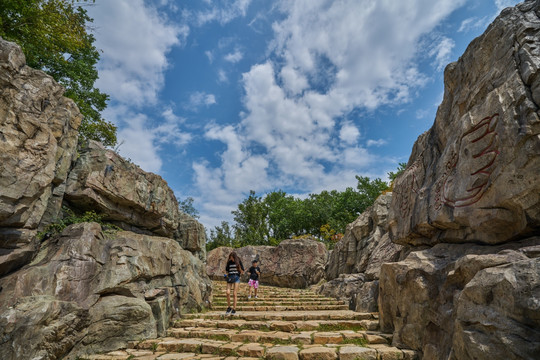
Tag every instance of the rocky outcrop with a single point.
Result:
(295, 263)
(129, 197)
(97, 291)
(38, 137)
(85, 290)
(468, 203)
(355, 262)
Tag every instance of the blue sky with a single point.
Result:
(224, 97)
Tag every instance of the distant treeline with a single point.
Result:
(276, 216)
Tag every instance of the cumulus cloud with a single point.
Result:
(327, 59)
(134, 39)
(199, 99)
(140, 140)
(234, 57)
(376, 143)
(222, 13)
(442, 52)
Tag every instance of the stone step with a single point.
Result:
(222, 292)
(300, 325)
(269, 350)
(369, 323)
(286, 315)
(284, 301)
(283, 307)
(257, 302)
(281, 337)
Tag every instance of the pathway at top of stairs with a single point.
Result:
(281, 324)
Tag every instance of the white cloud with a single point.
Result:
(134, 39)
(349, 133)
(327, 59)
(234, 57)
(199, 99)
(376, 143)
(222, 76)
(503, 4)
(442, 52)
(140, 141)
(474, 23)
(222, 14)
(210, 55)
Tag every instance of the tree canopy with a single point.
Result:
(277, 216)
(55, 38)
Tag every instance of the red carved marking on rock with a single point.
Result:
(486, 127)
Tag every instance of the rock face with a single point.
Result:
(114, 287)
(471, 193)
(355, 262)
(85, 290)
(135, 200)
(38, 137)
(295, 263)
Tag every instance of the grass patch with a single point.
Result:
(281, 342)
(220, 337)
(355, 341)
(69, 218)
(154, 347)
(338, 327)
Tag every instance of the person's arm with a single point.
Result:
(227, 268)
(258, 270)
(241, 270)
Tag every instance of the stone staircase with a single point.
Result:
(282, 324)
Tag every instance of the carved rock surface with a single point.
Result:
(113, 288)
(295, 263)
(38, 137)
(469, 205)
(473, 177)
(365, 246)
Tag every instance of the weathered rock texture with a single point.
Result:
(83, 291)
(38, 137)
(471, 191)
(96, 292)
(135, 200)
(355, 262)
(295, 263)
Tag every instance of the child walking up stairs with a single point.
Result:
(281, 324)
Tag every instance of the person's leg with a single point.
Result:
(256, 286)
(250, 283)
(235, 294)
(229, 285)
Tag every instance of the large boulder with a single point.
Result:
(38, 137)
(473, 177)
(295, 263)
(455, 301)
(97, 291)
(134, 199)
(469, 205)
(355, 262)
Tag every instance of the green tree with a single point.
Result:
(393, 175)
(187, 207)
(54, 37)
(221, 236)
(251, 225)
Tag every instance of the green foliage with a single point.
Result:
(186, 206)
(71, 218)
(53, 35)
(221, 236)
(277, 216)
(393, 175)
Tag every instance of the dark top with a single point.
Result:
(253, 272)
(231, 267)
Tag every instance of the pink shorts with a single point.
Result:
(254, 283)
